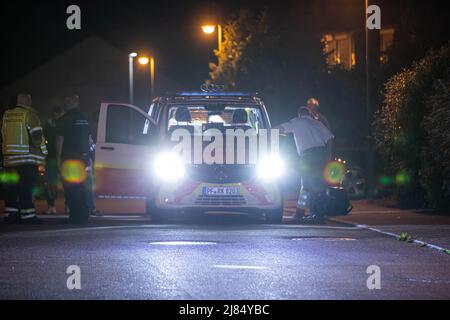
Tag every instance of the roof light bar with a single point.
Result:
(215, 94)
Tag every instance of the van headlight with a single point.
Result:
(270, 168)
(168, 167)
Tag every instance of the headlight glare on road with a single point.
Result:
(168, 167)
(270, 168)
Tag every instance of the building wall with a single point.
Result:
(347, 48)
(92, 69)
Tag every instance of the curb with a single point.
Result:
(394, 235)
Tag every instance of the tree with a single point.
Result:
(436, 154)
(247, 42)
(283, 60)
(400, 131)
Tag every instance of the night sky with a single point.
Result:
(33, 32)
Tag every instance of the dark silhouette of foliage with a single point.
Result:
(436, 154)
(401, 129)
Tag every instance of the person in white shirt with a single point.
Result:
(314, 143)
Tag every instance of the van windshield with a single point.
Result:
(216, 115)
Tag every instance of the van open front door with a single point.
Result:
(126, 143)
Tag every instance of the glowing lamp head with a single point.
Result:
(208, 29)
(133, 55)
(143, 60)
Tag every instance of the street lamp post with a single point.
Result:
(372, 57)
(152, 76)
(219, 37)
(131, 57)
(209, 29)
(151, 61)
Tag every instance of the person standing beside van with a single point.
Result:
(72, 152)
(51, 166)
(23, 149)
(313, 141)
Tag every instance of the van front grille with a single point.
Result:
(235, 200)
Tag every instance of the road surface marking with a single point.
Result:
(389, 211)
(391, 234)
(239, 267)
(323, 239)
(183, 243)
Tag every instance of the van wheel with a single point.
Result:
(274, 216)
(157, 215)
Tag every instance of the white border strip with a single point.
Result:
(419, 242)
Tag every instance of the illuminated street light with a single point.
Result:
(209, 29)
(144, 61)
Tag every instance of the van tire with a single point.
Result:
(274, 216)
(157, 215)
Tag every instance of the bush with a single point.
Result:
(436, 154)
(402, 129)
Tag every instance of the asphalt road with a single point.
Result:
(218, 259)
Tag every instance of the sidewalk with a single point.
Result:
(420, 225)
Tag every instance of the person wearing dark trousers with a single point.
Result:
(19, 193)
(72, 151)
(51, 166)
(23, 149)
(313, 141)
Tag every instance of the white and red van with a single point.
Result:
(132, 158)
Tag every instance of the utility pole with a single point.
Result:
(131, 57)
(372, 64)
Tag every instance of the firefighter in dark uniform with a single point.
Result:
(72, 151)
(23, 148)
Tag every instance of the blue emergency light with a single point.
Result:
(216, 94)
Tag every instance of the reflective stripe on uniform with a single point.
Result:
(15, 151)
(22, 161)
(9, 209)
(35, 129)
(8, 163)
(31, 210)
(13, 148)
(17, 145)
(28, 216)
(21, 156)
